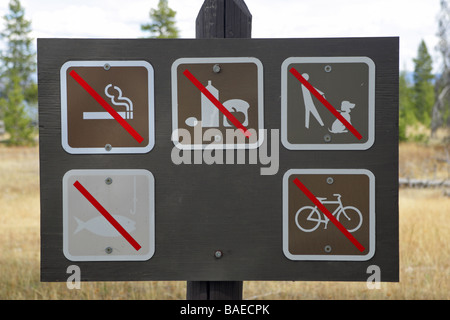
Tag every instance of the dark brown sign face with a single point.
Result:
(88, 88)
(236, 83)
(348, 195)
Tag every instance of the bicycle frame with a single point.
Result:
(324, 202)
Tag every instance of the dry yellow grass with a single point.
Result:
(424, 244)
(424, 162)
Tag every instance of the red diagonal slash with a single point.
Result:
(106, 106)
(217, 103)
(107, 215)
(328, 214)
(304, 82)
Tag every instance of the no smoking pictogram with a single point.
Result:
(107, 107)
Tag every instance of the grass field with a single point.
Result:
(424, 243)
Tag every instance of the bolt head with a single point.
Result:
(216, 68)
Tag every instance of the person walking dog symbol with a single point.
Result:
(310, 108)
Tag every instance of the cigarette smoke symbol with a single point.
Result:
(119, 101)
(128, 104)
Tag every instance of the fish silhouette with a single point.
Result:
(101, 227)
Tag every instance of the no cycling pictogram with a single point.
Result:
(328, 214)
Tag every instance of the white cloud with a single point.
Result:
(89, 19)
(411, 20)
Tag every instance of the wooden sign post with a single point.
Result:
(220, 19)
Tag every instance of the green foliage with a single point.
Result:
(423, 85)
(18, 65)
(163, 22)
(416, 99)
(17, 123)
(406, 106)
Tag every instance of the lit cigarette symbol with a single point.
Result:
(121, 101)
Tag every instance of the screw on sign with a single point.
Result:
(107, 107)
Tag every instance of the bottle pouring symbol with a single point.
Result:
(211, 114)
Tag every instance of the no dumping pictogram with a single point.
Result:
(217, 103)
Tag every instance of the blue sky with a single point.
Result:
(411, 20)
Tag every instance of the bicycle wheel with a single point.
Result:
(307, 219)
(353, 218)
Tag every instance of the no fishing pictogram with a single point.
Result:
(107, 215)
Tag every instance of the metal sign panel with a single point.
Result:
(317, 92)
(236, 83)
(107, 107)
(108, 215)
(309, 233)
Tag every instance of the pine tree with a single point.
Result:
(18, 65)
(17, 122)
(423, 85)
(407, 116)
(163, 22)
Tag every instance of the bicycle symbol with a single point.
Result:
(308, 218)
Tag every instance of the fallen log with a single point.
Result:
(418, 183)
